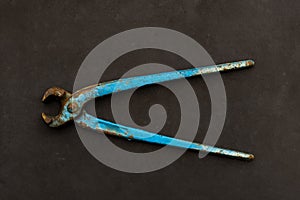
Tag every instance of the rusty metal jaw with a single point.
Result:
(63, 96)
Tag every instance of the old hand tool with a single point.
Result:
(72, 107)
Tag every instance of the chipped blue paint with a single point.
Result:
(86, 94)
(89, 121)
(72, 107)
(139, 81)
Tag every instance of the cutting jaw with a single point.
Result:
(63, 96)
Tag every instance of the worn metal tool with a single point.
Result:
(72, 107)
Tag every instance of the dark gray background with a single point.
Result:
(42, 44)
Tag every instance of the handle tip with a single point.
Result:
(251, 157)
(250, 63)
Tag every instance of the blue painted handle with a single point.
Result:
(88, 121)
(84, 95)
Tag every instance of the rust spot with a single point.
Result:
(72, 107)
(250, 63)
(109, 132)
(98, 129)
(83, 125)
(130, 137)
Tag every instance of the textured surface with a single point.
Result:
(42, 43)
